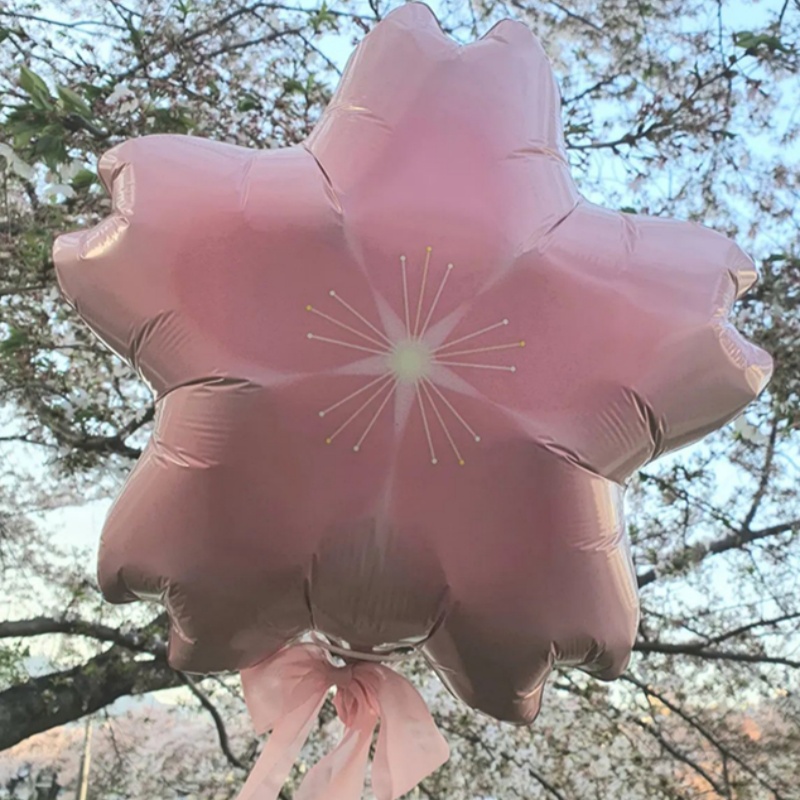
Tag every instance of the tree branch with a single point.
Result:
(60, 697)
(746, 628)
(198, 33)
(222, 733)
(700, 650)
(478, 741)
(142, 641)
(725, 751)
(678, 754)
(763, 482)
(115, 444)
(423, 789)
(666, 121)
(525, 8)
(44, 703)
(694, 555)
(572, 15)
(16, 14)
(270, 37)
(691, 499)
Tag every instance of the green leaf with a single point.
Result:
(574, 129)
(23, 132)
(247, 102)
(322, 18)
(84, 179)
(15, 340)
(92, 92)
(751, 42)
(293, 86)
(23, 123)
(51, 146)
(175, 119)
(12, 664)
(136, 38)
(628, 210)
(74, 102)
(36, 88)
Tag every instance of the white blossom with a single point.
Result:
(66, 172)
(15, 163)
(123, 98)
(55, 189)
(748, 432)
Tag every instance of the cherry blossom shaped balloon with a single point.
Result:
(402, 372)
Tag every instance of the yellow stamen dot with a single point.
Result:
(328, 440)
(308, 308)
(429, 248)
(522, 344)
(461, 463)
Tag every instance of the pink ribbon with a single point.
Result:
(285, 693)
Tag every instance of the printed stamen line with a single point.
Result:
(475, 366)
(355, 393)
(425, 425)
(458, 416)
(330, 438)
(357, 445)
(355, 313)
(472, 335)
(436, 300)
(405, 295)
(422, 287)
(484, 349)
(444, 426)
(346, 344)
(342, 325)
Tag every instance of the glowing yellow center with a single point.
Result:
(410, 361)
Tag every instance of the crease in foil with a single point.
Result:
(653, 425)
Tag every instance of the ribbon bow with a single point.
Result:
(285, 693)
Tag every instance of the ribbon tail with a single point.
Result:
(340, 775)
(410, 746)
(281, 750)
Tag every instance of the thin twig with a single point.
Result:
(222, 733)
(703, 731)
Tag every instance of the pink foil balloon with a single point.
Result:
(402, 372)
